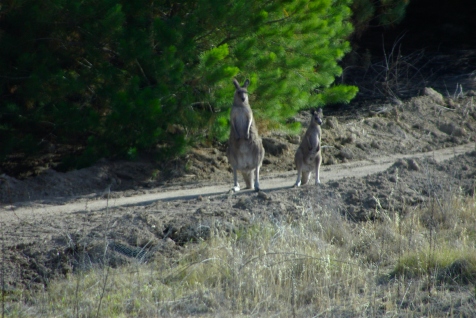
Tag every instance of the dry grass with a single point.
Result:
(419, 264)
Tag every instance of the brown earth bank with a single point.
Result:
(359, 132)
(39, 245)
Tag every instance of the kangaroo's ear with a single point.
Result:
(319, 111)
(237, 85)
(247, 82)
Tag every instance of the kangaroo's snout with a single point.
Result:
(318, 120)
(243, 95)
(317, 116)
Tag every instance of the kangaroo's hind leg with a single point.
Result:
(257, 178)
(298, 162)
(248, 177)
(236, 186)
(298, 180)
(306, 175)
(318, 165)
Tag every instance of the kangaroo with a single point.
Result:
(245, 149)
(308, 156)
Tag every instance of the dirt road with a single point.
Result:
(47, 218)
(23, 210)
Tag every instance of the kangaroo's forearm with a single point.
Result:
(249, 127)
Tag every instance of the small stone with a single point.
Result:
(294, 139)
(346, 153)
(266, 161)
(201, 210)
(373, 113)
(331, 122)
(263, 196)
(375, 144)
(452, 104)
(459, 132)
(434, 95)
(413, 165)
(243, 203)
(351, 139)
(330, 160)
(402, 164)
(452, 129)
(169, 242)
(396, 101)
(362, 146)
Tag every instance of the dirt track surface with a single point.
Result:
(377, 157)
(356, 169)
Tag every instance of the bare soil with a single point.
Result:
(377, 157)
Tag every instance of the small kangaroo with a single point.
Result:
(245, 149)
(308, 156)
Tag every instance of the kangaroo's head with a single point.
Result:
(241, 93)
(316, 116)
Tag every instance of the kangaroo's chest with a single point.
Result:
(312, 149)
(241, 119)
(313, 143)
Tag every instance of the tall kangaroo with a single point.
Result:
(308, 156)
(245, 149)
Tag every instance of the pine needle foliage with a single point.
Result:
(120, 76)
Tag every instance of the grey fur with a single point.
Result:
(245, 149)
(308, 156)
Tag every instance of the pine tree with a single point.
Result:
(120, 76)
